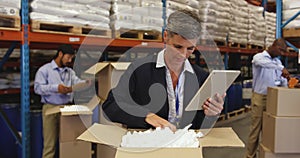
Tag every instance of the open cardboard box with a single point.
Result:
(108, 74)
(72, 124)
(109, 139)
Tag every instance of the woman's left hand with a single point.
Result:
(214, 106)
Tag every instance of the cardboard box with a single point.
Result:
(108, 74)
(75, 149)
(283, 101)
(74, 123)
(264, 152)
(281, 134)
(109, 140)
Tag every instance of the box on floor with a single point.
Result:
(109, 139)
(264, 152)
(72, 124)
(281, 134)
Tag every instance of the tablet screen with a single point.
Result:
(218, 81)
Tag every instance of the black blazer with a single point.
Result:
(132, 99)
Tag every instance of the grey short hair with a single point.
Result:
(185, 23)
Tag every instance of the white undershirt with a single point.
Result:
(173, 117)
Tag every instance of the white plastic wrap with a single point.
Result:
(40, 8)
(45, 17)
(290, 4)
(155, 12)
(11, 3)
(287, 14)
(93, 17)
(293, 24)
(177, 6)
(151, 3)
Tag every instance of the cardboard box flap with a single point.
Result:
(120, 65)
(96, 68)
(53, 110)
(103, 134)
(220, 137)
(93, 102)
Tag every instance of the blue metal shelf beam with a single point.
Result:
(7, 54)
(25, 87)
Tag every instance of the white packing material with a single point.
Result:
(161, 138)
(75, 108)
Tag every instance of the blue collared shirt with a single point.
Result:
(266, 72)
(47, 79)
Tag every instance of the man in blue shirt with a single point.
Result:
(53, 81)
(268, 71)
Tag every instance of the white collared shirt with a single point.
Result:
(173, 116)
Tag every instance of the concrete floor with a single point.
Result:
(240, 125)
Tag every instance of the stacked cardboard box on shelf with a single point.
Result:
(281, 124)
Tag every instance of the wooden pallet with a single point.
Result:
(236, 113)
(291, 32)
(253, 46)
(61, 28)
(237, 45)
(8, 22)
(222, 117)
(138, 34)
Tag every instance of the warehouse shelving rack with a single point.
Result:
(26, 39)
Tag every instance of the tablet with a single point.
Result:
(218, 81)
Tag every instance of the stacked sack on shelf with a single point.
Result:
(215, 18)
(10, 80)
(239, 30)
(137, 15)
(173, 5)
(289, 9)
(257, 25)
(78, 12)
(270, 19)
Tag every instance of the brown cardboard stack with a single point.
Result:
(72, 124)
(281, 124)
